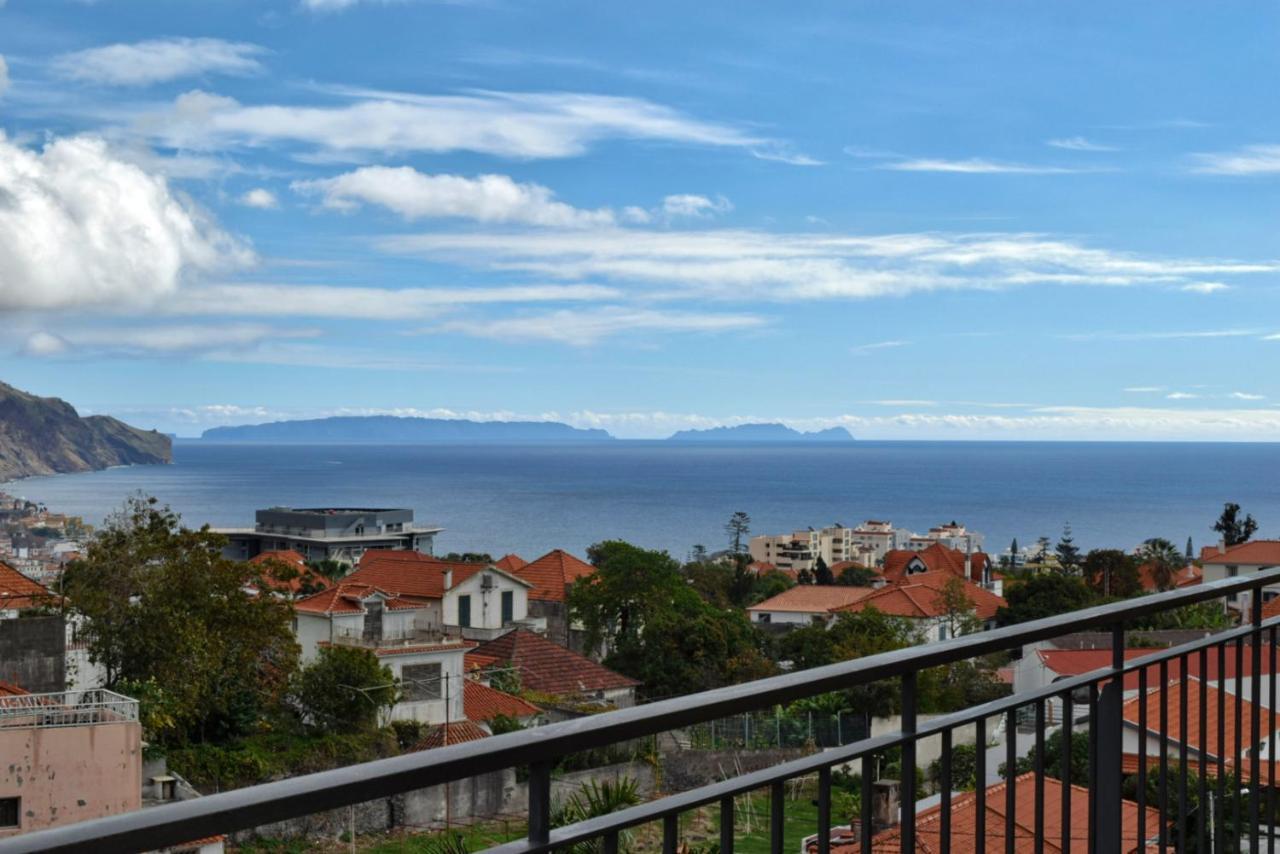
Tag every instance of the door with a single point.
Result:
(464, 611)
(508, 606)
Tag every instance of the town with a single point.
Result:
(145, 663)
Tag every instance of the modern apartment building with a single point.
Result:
(952, 535)
(329, 533)
(866, 544)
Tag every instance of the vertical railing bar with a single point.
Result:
(1219, 831)
(777, 816)
(909, 761)
(540, 801)
(864, 829)
(944, 784)
(610, 844)
(1064, 768)
(1162, 797)
(1183, 738)
(1271, 742)
(1238, 720)
(824, 813)
(727, 819)
(1203, 818)
(1142, 754)
(1093, 767)
(1010, 778)
(1255, 718)
(1039, 769)
(670, 833)
(980, 781)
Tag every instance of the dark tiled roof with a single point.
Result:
(546, 667)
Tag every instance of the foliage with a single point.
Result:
(1067, 551)
(468, 557)
(1204, 615)
(1233, 529)
(505, 679)
(407, 733)
(1111, 573)
(822, 573)
(268, 756)
(501, 724)
(958, 613)
(964, 768)
(1053, 757)
(591, 801)
(960, 685)
(738, 527)
(163, 606)
(1165, 561)
(857, 576)
(771, 584)
(331, 569)
(658, 629)
(1043, 595)
(345, 689)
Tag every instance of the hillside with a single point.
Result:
(390, 429)
(761, 433)
(45, 435)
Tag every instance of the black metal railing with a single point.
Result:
(1232, 811)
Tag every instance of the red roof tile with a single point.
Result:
(456, 732)
(19, 592)
(1170, 699)
(920, 597)
(1252, 553)
(288, 556)
(546, 667)
(409, 573)
(1185, 577)
(12, 689)
(511, 563)
(552, 574)
(296, 569)
(1074, 662)
(483, 703)
(813, 598)
(348, 598)
(936, 558)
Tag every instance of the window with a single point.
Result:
(421, 681)
(10, 810)
(508, 606)
(464, 611)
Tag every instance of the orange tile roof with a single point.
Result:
(936, 558)
(288, 556)
(482, 703)
(1252, 553)
(545, 667)
(19, 592)
(302, 574)
(409, 573)
(760, 567)
(478, 661)
(12, 689)
(964, 814)
(511, 562)
(1185, 577)
(455, 732)
(348, 597)
(1170, 699)
(813, 598)
(552, 574)
(1271, 609)
(443, 646)
(1074, 662)
(919, 597)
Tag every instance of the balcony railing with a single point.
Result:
(66, 709)
(1091, 705)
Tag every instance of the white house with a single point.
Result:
(1223, 561)
(804, 603)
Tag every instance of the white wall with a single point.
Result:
(799, 618)
(431, 711)
(486, 605)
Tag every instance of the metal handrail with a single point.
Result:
(540, 747)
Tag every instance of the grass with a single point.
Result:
(800, 819)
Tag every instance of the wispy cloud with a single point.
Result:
(1249, 160)
(152, 340)
(583, 328)
(975, 166)
(863, 349)
(1244, 395)
(158, 61)
(689, 205)
(1079, 143)
(1144, 389)
(1181, 395)
(1163, 335)
(4, 76)
(260, 198)
(1205, 287)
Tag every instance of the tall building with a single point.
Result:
(329, 533)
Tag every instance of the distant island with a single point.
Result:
(45, 435)
(392, 429)
(761, 433)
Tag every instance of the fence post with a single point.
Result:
(1107, 776)
(777, 724)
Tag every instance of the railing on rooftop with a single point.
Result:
(66, 709)
(1092, 706)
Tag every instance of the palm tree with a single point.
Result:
(1165, 560)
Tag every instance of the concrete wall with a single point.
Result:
(486, 605)
(556, 615)
(689, 769)
(33, 653)
(69, 774)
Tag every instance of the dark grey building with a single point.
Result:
(329, 533)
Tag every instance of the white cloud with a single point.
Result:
(1079, 143)
(260, 198)
(1162, 336)
(974, 166)
(1144, 389)
(863, 349)
(364, 303)
(43, 344)
(151, 340)
(583, 328)
(1181, 395)
(79, 226)
(1249, 160)
(486, 198)
(1244, 395)
(690, 205)
(4, 76)
(1205, 287)
(505, 124)
(745, 264)
(158, 61)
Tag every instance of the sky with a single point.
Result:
(916, 220)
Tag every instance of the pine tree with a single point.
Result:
(1234, 530)
(1191, 553)
(822, 573)
(1067, 551)
(738, 526)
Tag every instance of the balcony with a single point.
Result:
(1185, 799)
(66, 709)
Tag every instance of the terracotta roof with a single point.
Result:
(1185, 577)
(919, 597)
(813, 598)
(288, 556)
(552, 574)
(1074, 662)
(760, 567)
(1252, 553)
(18, 591)
(1129, 765)
(936, 558)
(413, 574)
(964, 813)
(511, 562)
(348, 598)
(482, 703)
(456, 732)
(1271, 609)
(841, 565)
(12, 689)
(1170, 699)
(546, 667)
(293, 561)
(476, 661)
(442, 646)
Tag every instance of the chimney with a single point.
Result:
(884, 804)
(968, 566)
(1222, 547)
(448, 579)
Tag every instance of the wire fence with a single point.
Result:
(779, 729)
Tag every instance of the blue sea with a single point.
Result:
(529, 499)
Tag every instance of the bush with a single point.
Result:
(345, 689)
(260, 758)
(408, 733)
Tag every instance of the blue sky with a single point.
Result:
(916, 220)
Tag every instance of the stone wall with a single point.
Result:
(33, 653)
(689, 769)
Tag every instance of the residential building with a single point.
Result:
(800, 550)
(879, 537)
(953, 535)
(546, 668)
(482, 703)
(1229, 561)
(901, 564)
(920, 599)
(68, 757)
(511, 563)
(804, 603)
(329, 533)
(552, 576)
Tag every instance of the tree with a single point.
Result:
(958, 613)
(857, 576)
(698, 554)
(345, 689)
(1043, 595)
(1190, 553)
(1042, 550)
(1053, 755)
(1013, 553)
(1067, 551)
(1111, 573)
(822, 573)
(162, 606)
(1164, 559)
(738, 527)
(1233, 529)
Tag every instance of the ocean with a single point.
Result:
(530, 499)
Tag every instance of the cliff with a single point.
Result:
(45, 435)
